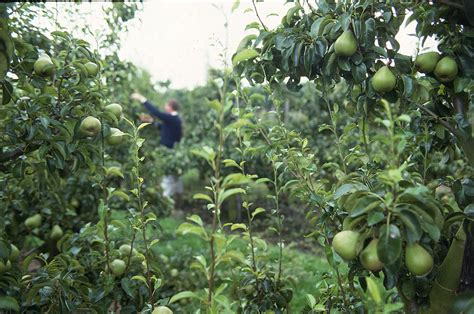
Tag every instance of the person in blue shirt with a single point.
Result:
(170, 122)
(170, 133)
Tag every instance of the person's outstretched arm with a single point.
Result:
(151, 108)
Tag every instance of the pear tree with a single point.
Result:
(409, 114)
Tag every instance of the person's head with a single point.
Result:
(172, 105)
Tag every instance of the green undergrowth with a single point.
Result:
(176, 252)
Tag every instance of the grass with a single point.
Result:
(303, 268)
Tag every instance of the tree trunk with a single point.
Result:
(287, 111)
(466, 282)
(446, 283)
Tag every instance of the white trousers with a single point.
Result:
(171, 185)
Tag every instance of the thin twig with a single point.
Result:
(258, 16)
(448, 126)
(17, 152)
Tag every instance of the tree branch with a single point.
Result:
(448, 126)
(15, 153)
(460, 103)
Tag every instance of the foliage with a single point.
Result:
(319, 131)
(382, 181)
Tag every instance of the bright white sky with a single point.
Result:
(179, 39)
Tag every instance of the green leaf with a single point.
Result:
(389, 247)
(407, 86)
(349, 188)
(215, 104)
(141, 126)
(184, 295)
(113, 171)
(196, 219)
(202, 260)
(373, 290)
(9, 304)
(238, 226)
(254, 25)
(232, 255)
(311, 300)
(223, 195)
(364, 205)
(374, 217)
(292, 12)
(431, 229)
(245, 42)
(262, 180)
(102, 209)
(202, 196)
(7, 90)
(5, 250)
(461, 83)
(244, 55)
(257, 211)
(412, 225)
(121, 194)
(235, 5)
(230, 163)
(140, 278)
(126, 285)
(187, 227)
(469, 210)
(315, 27)
(235, 179)
(297, 53)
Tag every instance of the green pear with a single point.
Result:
(446, 70)
(162, 310)
(442, 190)
(115, 109)
(33, 221)
(426, 62)
(74, 203)
(43, 65)
(92, 68)
(125, 250)
(345, 45)
(117, 266)
(369, 257)
(174, 272)
(350, 107)
(419, 262)
(56, 233)
(115, 136)
(384, 80)
(5, 266)
(15, 253)
(90, 126)
(345, 244)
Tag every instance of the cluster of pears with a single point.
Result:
(91, 126)
(12, 258)
(36, 221)
(383, 80)
(347, 244)
(445, 69)
(118, 265)
(44, 66)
